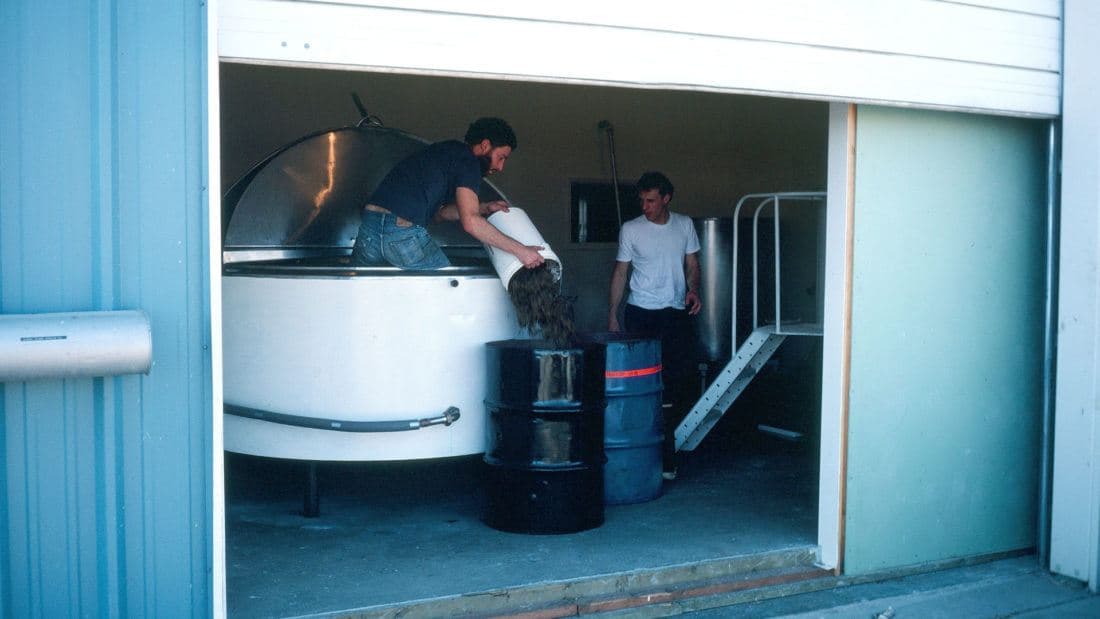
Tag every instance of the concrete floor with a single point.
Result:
(407, 539)
(733, 536)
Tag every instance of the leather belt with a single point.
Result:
(401, 221)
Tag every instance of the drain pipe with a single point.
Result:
(605, 125)
(1050, 316)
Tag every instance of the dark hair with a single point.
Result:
(658, 181)
(494, 129)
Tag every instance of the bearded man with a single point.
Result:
(440, 182)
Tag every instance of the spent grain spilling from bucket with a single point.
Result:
(539, 304)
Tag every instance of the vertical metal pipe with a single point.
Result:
(733, 278)
(1050, 315)
(311, 503)
(606, 126)
(756, 265)
(755, 262)
(778, 321)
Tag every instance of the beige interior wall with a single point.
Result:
(714, 147)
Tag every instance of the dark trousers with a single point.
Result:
(679, 369)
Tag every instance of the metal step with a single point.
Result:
(801, 328)
(731, 381)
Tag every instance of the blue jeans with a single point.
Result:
(382, 241)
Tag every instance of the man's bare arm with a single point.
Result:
(618, 287)
(692, 301)
(469, 215)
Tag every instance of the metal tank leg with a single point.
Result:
(312, 504)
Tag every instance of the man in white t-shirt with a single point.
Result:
(659, 250)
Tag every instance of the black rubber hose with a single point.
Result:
(448, 417)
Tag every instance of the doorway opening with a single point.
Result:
(745, 502)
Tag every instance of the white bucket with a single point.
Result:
(515, 223)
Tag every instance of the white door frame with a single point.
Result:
(836, 346)
(214, 255)
(1075, 504)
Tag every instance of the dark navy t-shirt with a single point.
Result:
(417, 186)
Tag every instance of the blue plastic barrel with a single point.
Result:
(633, 423)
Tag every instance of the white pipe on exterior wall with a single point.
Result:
(74, 344)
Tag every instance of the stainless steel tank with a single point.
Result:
(713, 324)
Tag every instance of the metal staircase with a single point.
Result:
(761, 343)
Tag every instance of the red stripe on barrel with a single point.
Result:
(632, 373)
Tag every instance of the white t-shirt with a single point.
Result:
(656, 251)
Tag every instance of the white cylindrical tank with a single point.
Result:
(324, 360)
(357, 349)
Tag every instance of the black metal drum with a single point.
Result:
(544, 447)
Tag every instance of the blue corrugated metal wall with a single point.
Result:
(105, 493)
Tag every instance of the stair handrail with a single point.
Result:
(774, 198)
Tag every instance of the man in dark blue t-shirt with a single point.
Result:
(440, 183)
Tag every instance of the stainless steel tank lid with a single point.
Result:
(309, 194)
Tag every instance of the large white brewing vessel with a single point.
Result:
(326, 361)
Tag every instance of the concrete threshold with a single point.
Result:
(631, 591)
(825, 580)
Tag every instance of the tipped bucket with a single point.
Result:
(515, 223)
